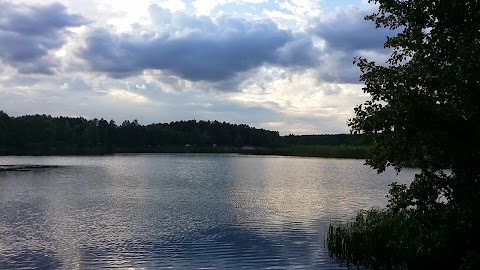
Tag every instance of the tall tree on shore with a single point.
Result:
(424, 109)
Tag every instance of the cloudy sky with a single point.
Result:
(279, 65)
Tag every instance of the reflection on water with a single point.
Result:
(180, 211)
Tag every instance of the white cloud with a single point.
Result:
(126, 96)
(300, 95)
(296, 15)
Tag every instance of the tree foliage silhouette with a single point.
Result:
(424, 109)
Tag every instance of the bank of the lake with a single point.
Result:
(323, 151)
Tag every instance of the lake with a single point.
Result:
(181, 211)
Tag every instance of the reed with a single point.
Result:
(373, 240)
(402, 239)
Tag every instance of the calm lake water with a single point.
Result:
(180, 211)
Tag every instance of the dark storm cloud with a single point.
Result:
(346, 29)
(195, 48)
(29, 33)
(348, 35)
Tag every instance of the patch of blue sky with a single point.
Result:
(330, 5)
(190, 105)
(243, 10)
(233, 112)
(189, 9)
(248, 10)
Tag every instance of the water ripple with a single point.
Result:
(180, 211)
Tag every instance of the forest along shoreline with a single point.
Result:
(43, 135)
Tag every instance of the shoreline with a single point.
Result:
(320, 151)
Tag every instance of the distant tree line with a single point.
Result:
(47, 135)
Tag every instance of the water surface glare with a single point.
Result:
(180, 211)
